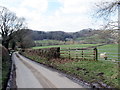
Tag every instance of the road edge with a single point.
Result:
(12, 78)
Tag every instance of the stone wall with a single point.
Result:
(45, 52)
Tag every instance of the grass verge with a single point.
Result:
(6, 67)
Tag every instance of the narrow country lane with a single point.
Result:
(30, 74)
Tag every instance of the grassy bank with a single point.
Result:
(90, 71)
(0, 71)
(6, 66)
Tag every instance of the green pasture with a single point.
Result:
(67, 46)
(48, 42)
(73, 54)
(110, 49)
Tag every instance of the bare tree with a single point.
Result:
(107, 9)
(24, 38)
(9, 23)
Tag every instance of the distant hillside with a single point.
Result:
(55, 35)
(82, 36)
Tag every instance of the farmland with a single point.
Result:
(48, 42)
(110, 49)
(67, 46)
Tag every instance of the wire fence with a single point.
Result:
(111, 53)
(92, 53)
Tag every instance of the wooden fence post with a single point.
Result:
(76, 54)
(95, 54)
(69, 53)
(82, 53)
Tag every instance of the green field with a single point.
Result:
(68, 46)
(110, 49)
(48, 42)
(72, 46)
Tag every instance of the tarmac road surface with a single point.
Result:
(30, 74)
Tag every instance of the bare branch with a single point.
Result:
(9, 23)
(105, 9)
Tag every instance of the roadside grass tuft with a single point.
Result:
(106, 72)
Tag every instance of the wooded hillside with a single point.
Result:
(83, 36)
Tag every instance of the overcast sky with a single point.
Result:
(55, 15)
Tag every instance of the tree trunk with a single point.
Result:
(5, 44)
(13, 45)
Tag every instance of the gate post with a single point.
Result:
(82, 54)
(95, 53)
(69, 54)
